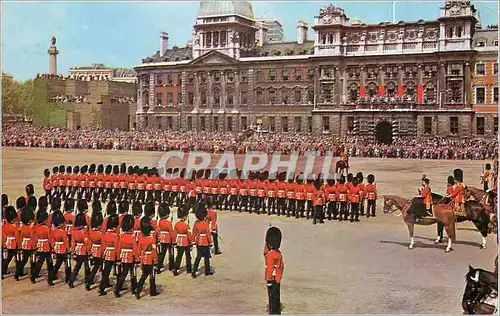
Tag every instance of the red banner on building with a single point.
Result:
(381, 90)
(420, 93)
(362, 90)
(400, 89)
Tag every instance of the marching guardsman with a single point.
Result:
(252, 190)
(83, 183)
(174, 194)
(55, 205)
(82, 208)
(27, 242)
(234, 189)
(92, 180)
(108, 184)
(223, 192)
(486, 177)
(342, 197)
(79, 248)
(10, 238)
(122, 178)
(110, 210)
(97, 207)
(42, 232)
(115, 183)
(458, 191)
(149, 185)
(191, 195)
(131, 183)
(111, 251)
(310, 190)
(290, 197)
(261, 191)
(300, 196)
(362, 195)
(319, 202)
(331, 197)
(54, 178)
(141, 185)
(30, 192)
(371, 194)
(123, 207)
(69, 218)
(183, 187)
(198, 182)
(212, 225)
(274, 267)
(281, 187)
(20, 205)
(354, 200)
(202, 238)
(69, 181)
(137, 213)
(96, 247)
(148, 257)
(47, 183)
(60, 246)
(129, 255)
(243, 191)
(426, 195)
(74, 182)
(100, 182)
(183, 240)
(149, 213)
(166, 237)
(157, 185)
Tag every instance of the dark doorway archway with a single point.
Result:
(383, 133)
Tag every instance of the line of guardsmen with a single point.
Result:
(257, 192)
(118, 241)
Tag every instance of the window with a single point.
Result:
(284, 96)
(244, 95)
(495, 68)
(272, 96)
(203, 98)
(427, 125)
(191, 78)
(170, 98)
(170, 81)
(244, 76)
(285, 74)
(310, 74)
(272, 124)
(158, 99)
(272, 75)
(495, 124)
(454, 125)
(189, 123)
(244, 123)
(298, 96)
(326, 123)
(146, 121)
(159, 79)
(230, 98)
(459, 31)
(170, 124)
(216, 123)
(203, 77)
(179, 97)
(202, 123)
(190, 98)
(350, 124)
(495, 42)
(298, 123)
(480, 95)
(310, 124)
(456, 69)
(229, 123)
(217, 76)
(259, 97)
(179, 79)
(216, 97)
(298, 74)
(455, 92)
(480, 69)
(310, 96)
(230, 76)
(284, 124)
(495, 95)
(480, 125)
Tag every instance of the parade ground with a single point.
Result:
(336, 267)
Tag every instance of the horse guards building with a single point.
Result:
(375, 80)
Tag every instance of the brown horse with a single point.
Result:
(479, 195)
(442, 213)
(341, 166)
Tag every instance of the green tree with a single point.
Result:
(10, 95)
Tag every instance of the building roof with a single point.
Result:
(286, 48)
(172, 54)
(222, 8)
(124, 72)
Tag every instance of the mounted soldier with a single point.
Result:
(458, 193)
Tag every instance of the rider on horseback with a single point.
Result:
(422, 205)
(486, 177)
(426, 195)
(458, 192)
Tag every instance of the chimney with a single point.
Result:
(302, 28)
(163, 43)
(261, 33)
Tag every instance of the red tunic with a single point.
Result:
(129, 252)
(243, 188)
(132, 182)
(319, 197)
(166, 232)
(92, 180)
(10, 236)
(62, 180)
(55, 180)
(59, 241)
(183, 234)
(233, 187)
(274, 266)
(223, 187)
(111, 246)
(212, 220)
(108, 181)
(261, 189)
(96, 247)
(69, 218)
(79, 242)
(100, 180)
(201, 234)
(252, 186)
(342, 192)
(140, 183)
(47, 184)
(331, 193)
(300, 193)
(27, 237)
(149, 183)
(354, 194)
(42, 233)
(157, 185)
(371, 191)
(281, 187)
(123, 180)
(115, 180)
(310, 189)
(147, 250)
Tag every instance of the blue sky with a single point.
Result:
(120, 34)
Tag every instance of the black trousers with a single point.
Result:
(80, 260)
(222, 201)
(344, 213)
(141, 195)
(300, 208)
(20, 264)
(191, 202)
(233, 202)
(126, 268)
(281, 206)
(371, 206)
(40, 258)
(48, 194)
(165, 197)
(131, 195)
(180, 251)
(60, 259)
(332, 210)
(243, 202)
(354, 211)
(97, 192)
(97, 264)
(291, 209)
(148, 271)
(108, 265)
(158, 196)
(310, 208)
(11, 253)
(164, 248)
(253, 203)
(319, 214)
(273, 293)
(271, 205)
(202, 252)
(215, 238)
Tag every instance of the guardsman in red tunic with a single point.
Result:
(149, 177)
(122, 178)
(486, 177)
(183, 240)
(92, 180)
(281, 188)
(123, 208)
(243, 191)
(198, 182)
(362, 194)
(47, 183)
(212, 224)
(331, 198)
(137, 213)
(202, 238)
(149, 258)
(191, 196)
(10, 238)
(166, 237)
(100, 182)
(223, 192)
(310, 190)
(261, 192)
(80, 244)
(115, 183)
(110, 252)
(141, 185)
(290, 198)
(84, 182)
(458, 191)
(274, 267)
(108, 184)
(214, 192)
(174, 188)
(60, 246)
(252, 191)
(354, 199)
(427, 196)
(27, 242)
(371, 194)
(157, 185)
(131, 184)
(183, 187)
(110, 210)
(206, 185)
(62, 182)
(69, 218)
(74, 182)
(149, 213)
(20, 204)
(54, 178)
(69, 182)
(42, 233)
(300, 196)
(234, 189)
(450, 186)
(129, 255)
(319, 202)
(96, 247)
(342, 197)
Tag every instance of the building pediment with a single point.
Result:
(214, 58)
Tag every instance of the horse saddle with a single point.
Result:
(459, 210)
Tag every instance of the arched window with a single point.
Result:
(429, 93)
(352, 93)
(371, 89)
(390, 89)
(410, 91)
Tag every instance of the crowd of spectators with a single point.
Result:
(27, 135)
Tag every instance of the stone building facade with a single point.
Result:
(380, 81)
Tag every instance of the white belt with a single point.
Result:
(111, 248)
(11, 237)
(26, 238)
(127, 250)
(43, 240)
(59, 242)
(80, 244)
(181, 235)
(203, 234)
(147, 252)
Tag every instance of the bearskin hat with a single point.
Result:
(317, 184)
(55, 204)
(111, 208)
(69, 205)
(123, 167)
(108, 169)
(149, 210)
(176, 172)
(155, 171)
(127, 223)
(76, 169)
(112, 222)
(355, 181)
(96, 219)
(100, 168)
(199, 174)
(137, 208)
(146, 227)
(68, 169)
(5, 200)
(370, 178)
(208, 172)
(32, 203)
(92, 168)
(342, 179)
(299, 178)
(130, 170)
(123, 207)
(43, 203)
(264, 175)
(193, 176)
(273, 238)
(450, 180)
(139, 171)
(116, 169)
(136, 169)
(145, 170)
(62, 169)
(82, 206)
(163, 210)
(360, 177)
(80, 220)
(182, 211)
(458, 174)
(20, 203)
(183, 173)
(239, 173)
(488, 166)
(57, 218)
(330, 181)
(96, 206)
(55, 170)
(27, 215)
(10, 214)
(46, 173)
(200, 211)
(42, 216)
(349, 177)
(282, 176)
(84, 169)
(30, 190)
(321, 177)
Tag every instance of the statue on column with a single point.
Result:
(53, 41)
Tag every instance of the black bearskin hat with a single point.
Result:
(96, 206)
(76, 169)
(264, 175)
(57, 218)
(450, 180)
(370, 178)
(137, 208)
(146, 227)
(199, 174)
(360, 177)
(30, 190)
(69, 205)
(317, 184)
(27, 216)
(273, 238)
(208, 172)
(299, 178)
(200, 211)
(112, 222)
(46, 173)
(68, 169)
(55, 170)
(92, 168)
(96, 219)
(116, 169)
(488, 166)
(5, 200)
(108, 169)
(80, 220)
(43, 203)
(183, 173)
(123, 167)
(61, 169)
(140, 172)
(127, 223)
(458, 174)
(330, 181)
(355, 181)
(32, 203)
(182, 211)
(100, 168)
(282, 176)
(82, 206)
(10, 214)
(130, 170)
(84, 169)
(20, 203)
(55, 204)
(149, 210)
(193, 176)
(136, 169)
(163, 210)
(42, 216)
(320, 177)
(145, 170)
(111, 208)
(349, 177)
(176, 172)
(123, 207)
(342, 179)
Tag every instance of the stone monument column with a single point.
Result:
(53, 52)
